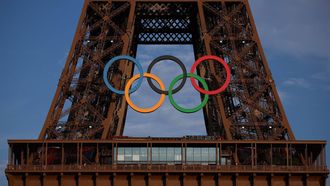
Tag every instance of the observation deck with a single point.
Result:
(202, 158)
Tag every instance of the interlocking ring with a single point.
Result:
(170, 91)
(106, 69)
(144, 110)
(174, 59)
(212, 92)
(185, 110)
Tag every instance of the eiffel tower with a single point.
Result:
(249, 140)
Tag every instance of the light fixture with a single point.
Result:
(270, 127)
(111, 41)
(243, 127)
(90, 126)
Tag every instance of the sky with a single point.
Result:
(36, 35)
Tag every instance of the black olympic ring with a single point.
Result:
(174, 59)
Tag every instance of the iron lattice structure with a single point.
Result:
(83, 108)
(249, 140)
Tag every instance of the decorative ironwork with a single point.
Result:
(84, 109)
(78, 144)
(165, 23)
(251, 103)
(82, 101)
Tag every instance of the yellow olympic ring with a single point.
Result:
(144, 110)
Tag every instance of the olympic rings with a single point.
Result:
(176, 60)
(106, 69)
(162, 91)
(217, 91)
(181, 109)
(153, 108)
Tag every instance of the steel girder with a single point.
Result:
(83, 108)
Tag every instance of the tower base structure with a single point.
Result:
(191, 160)
(78, 145)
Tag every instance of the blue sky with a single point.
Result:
(36, 36)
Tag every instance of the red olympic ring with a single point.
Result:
(211, 92)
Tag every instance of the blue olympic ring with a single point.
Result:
(106, 69)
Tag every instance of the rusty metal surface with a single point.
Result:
(87, 162)
(83, 108)
(172, 179)
(246, 124)
(245, 156)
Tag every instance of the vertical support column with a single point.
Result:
(114, 179)
(95, 179)
(306, 155)
(59, 89)
(323, 157)
(80, 156)
(27, 154)
(149, 179)
(10, 155)
(290, 154)
(271, 154)
(184, 154)
(114, 146)
(234, 178)
(287, 155)
(207, 39)
(122, 111)
(217, 154)
(60, 179)
(42, 179)
(77, 178)
(149, 154)
(166, 179)
(220, 154)
(252, 154)
(131, 178)
(46, 157)
(62, 155)
(236, 155)
(256, 154)
(306, 179)
(252, 178)
(285, 121)
(127, 71)
(42, 158)
(97, 158)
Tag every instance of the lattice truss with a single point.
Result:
(81, 103)
(83, 108)
(165, 23)
(251, 103)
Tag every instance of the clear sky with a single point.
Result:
(36, 35)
